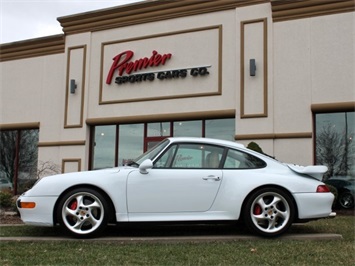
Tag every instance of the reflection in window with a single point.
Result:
(188, 129)
(165, 160)
(240, 160)
(131, 139)
(19, 158)
(220, 128)
(160, 129)
(104, 147)
(28, 157)
(335, 146)
(190, 156)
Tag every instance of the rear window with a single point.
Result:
(240, 160)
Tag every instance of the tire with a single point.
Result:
(269, 212)
(83, 212)
(346, 200)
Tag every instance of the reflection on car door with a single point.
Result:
(172, 190)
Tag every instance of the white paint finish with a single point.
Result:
(169, 190)
(181, 195)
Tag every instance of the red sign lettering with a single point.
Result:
(122, 63)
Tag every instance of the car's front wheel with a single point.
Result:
(83, 212)
(269, 212)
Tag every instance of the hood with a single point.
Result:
(316, 171)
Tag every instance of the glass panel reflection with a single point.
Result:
(131, 140)
(188, 129)
(28, 158)
(335, 147)
(104, 147)
(220, 128)
(158, 129)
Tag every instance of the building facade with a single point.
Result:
(278, 73)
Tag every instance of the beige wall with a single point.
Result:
(313, 63)
(300, 62)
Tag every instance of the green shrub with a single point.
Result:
(6, 199)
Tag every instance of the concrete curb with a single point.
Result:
(181, 239)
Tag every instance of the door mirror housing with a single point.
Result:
(145, 166)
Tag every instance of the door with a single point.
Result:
(181, 181)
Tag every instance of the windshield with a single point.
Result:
(153, 152)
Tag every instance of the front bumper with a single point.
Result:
(41, 214)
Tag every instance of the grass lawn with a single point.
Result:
(247, 252)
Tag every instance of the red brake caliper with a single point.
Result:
(73, 205)
(257, 209)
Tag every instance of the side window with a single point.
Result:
(165, 160)
(239, 160)
(190, 156)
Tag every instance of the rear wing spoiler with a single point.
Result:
(316, 171)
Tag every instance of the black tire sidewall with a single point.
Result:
(248, 205)
(341, 197)
(97, 194)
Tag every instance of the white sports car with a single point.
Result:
(183, 179)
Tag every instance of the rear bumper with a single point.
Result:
(314, 205)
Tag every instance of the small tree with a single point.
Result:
(47, 168)
(255, 147)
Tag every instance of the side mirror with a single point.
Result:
(145, 165)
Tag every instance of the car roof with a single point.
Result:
(208, 141)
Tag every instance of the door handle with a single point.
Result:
(212, 177)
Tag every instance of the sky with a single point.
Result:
(27, 19)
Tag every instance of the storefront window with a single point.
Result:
(161, 129)
(220, 128)
(104, 147)
(28, 159)
(19, 158)
(131, 140)
(335, 145)
(188, 129)
(134, 139)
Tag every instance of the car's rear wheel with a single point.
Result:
(83, 212)
(346, 200)
(269, 212)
